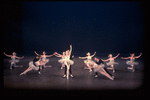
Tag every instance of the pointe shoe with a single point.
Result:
(96, 75)
(64, 76)
(129, 68)
(71, 75)
(22, 74)
(133, 70)
(90, 70)
(113, 78)
(39, 72)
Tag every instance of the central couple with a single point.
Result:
(66, 61)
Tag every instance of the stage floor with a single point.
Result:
(52, 78)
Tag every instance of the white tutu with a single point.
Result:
(98, 67)
(33, 66)
(112, 62)
(71, 62)
(61, 60)
(89, 61)
(45, 60)
(131, 62)
(13, 60)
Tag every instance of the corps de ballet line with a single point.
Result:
(66, 60)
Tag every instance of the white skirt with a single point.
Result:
(45, 60)
(71, 62)
(98, 67)
(33, 66)
(89, 62)
(128, 62)
(61, 60)
(14, 60)
(111, 63)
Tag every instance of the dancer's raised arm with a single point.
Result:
(116, 56)
(105, 60)
(70, 49)
(93, 54)
(138, 56)
(50, 55)
(125, 58)
(56, 54)
(7, 55)
(82, 57)
(36, 53)
(20, 57)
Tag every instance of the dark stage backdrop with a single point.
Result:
(105, 27)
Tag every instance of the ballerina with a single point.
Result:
(99, 67)
(13, 60)
(34, 65)
(68, 62)
(88, 61)
(131, 61)
(43, 57)
(111, 61)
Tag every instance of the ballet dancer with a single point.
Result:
(88, 61)
(62, 58)
(34, 65)
(111, 61)
(100, 67)
(68, 62)
(13, 60)
(131, 61)
(43, 57)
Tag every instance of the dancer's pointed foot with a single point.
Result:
(22, 74)
(64, 76)
(71, 75)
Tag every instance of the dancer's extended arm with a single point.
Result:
(36, 53)
(105, 60)
(138, 56)
(82, 57)
(125, 58)
(7, 55)
(93, 54)
(20, 57)
(116, 56)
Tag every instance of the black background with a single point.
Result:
(105, 27)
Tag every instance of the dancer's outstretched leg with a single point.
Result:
(16, 65)
(88, 67)
(27, 70)
(102, 71)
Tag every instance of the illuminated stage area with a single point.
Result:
(52, 78)
(104, 27)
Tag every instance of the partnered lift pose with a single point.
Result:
(66, 61)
